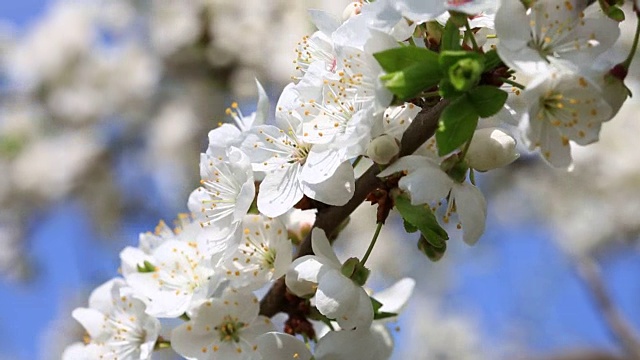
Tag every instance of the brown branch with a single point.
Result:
(619, 327)
(421, 129)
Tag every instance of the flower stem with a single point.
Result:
(471, 35)
(372, 244)
(512, 83)
(463, 154)
(411, 41)
(634, 47)
(356, 161)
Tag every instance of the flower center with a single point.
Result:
(269, 257)
(300, 153)
(230, 329)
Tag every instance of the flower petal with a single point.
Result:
(337, 190)
(279, 191)
(395, 297)
(275, 345)
(472, 210)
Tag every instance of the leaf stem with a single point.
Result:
(471, 35)
(463, 154)
(372, 244)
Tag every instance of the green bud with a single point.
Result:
(465, 74)
(147, 268)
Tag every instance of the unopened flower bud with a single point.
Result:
(383, 149)
(491, 148)
(465, 74)
(351, 10)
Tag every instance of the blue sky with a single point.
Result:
(513, 276)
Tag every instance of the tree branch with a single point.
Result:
(619, 327)
(329, 219)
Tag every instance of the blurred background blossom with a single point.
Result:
(105, 105)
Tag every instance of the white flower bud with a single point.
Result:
(491, 148)
(383, 149)
(351, 10)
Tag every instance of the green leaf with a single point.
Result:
(615, 13)
(375, 304)
(457, 124)
(397, 59)
(450, 37)
(487, 100)
(612, 9)
(377, 314)
(410, 82)
(408, 227)
(383, 315)
(421, 217)
(447, 90)
(411, 70)
(314, 314)
(458, 18)
(432, 252)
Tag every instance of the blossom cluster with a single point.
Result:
(362, 86)
(94, 84)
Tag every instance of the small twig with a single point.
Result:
(620, 329)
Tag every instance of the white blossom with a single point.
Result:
(222, 328)
(117, 324)
(263, 254)
(282, 154)
(426, 183)
(227, 135)
(175, 277)
(396, 119)
(336, 296)
(562, 107)
(276, 345)
(552, 33)
(226, 193)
